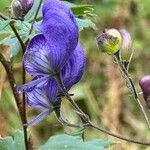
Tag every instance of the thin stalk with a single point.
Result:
(131, 86)
(86, 119)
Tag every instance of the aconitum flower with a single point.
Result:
(145, 86)
(47, 98)
(48, 52)
(19, 8)
(55, 51)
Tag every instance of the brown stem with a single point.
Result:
(9, 70)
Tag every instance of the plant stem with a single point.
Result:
(9, 70)
(22, 105)
(23, 46)
(131, 86)
(86, 118)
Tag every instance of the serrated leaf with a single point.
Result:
(85, 23)
(15, 142)
(13, 44)
(67, 142)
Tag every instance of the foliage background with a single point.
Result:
(101, 92)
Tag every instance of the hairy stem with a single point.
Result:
(131, 86)
(87, 120)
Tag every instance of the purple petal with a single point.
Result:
(61, 32)
(32, 84)
(39, 118)
(74, 69)
(44, 96)
(36, 58)
(55, 5)
(38, 98)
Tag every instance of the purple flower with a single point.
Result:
(19, 8)
(145, 86)
(48, 52)
(46, 97)
(126, 48)
(55, 50)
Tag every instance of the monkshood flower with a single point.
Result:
(126, 48)
(19, 8)
(145, 86)
(109, 41)
(48, 52)
(47, 98)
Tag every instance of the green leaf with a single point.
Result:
(101, 142)
(13, 43)
(4, 26)
(85, 23)
(80, 10)
(15, 142)
(67, 142)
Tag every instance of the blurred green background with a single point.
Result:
(101, 93)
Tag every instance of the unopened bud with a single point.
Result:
(19, 8)
(145, 86)
(109, 41)
(126, 48)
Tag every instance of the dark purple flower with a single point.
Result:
(46, 97)
(145, 86)
(19, 8)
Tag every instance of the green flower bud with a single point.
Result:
(109, 41)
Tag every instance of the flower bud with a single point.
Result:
(109, 41)
(126, 48)
(19, 8)
(145, 86)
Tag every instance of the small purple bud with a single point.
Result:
(145, 86)
(19, 8)
(126, 48)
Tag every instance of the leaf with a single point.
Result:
(13, 44)
(4, 26)
(101, 142)
(85, 23)
(15, 142)
(80, 10)
(67, 142)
